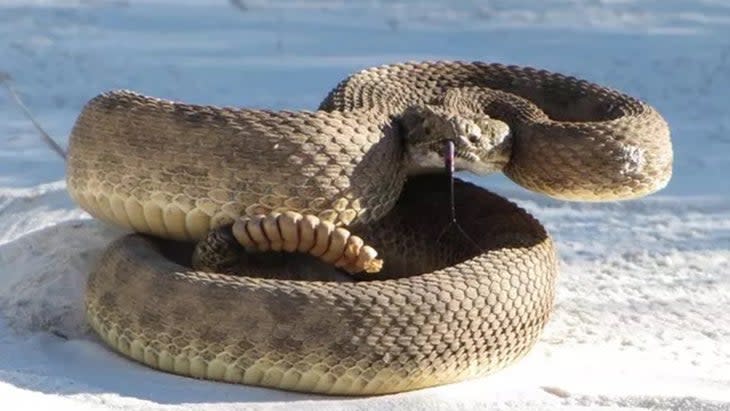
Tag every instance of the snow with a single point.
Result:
(641, 318)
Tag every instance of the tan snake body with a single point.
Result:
(443, 309)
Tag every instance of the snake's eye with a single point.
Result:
(473, 138)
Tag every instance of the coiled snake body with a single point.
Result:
(443, 309)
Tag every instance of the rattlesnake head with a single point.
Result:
(482, 144)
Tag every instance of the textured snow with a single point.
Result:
(641, 319)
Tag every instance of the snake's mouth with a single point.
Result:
(479, 163)
(429, 158)
(467, 155)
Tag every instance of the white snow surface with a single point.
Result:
(642, 312)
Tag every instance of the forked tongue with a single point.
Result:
(450, 170)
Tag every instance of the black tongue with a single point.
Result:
(449, 157)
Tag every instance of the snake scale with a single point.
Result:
(448, 304)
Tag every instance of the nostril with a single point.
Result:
(473, 138)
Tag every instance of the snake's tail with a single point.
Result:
(218, 252)
(292, 232)
(288, 232)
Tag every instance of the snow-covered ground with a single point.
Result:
(642, 318)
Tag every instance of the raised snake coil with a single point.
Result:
(445, 309)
